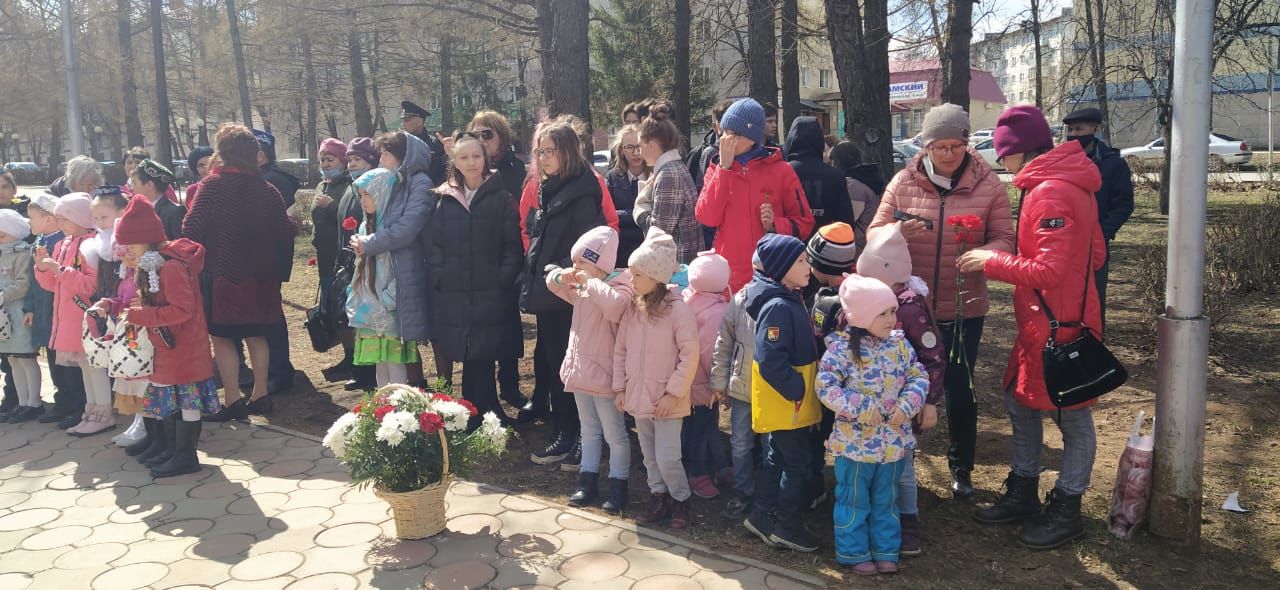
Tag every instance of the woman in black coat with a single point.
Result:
(568, 205)
(623, 182)
(474, 254)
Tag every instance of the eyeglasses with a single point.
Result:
(630, 148)
(485, 134)
(544, 153)
(950, 149)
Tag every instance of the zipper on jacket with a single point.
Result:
(937, 252)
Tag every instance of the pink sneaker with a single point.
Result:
(703, 487)
(887, 567)
(866, 568)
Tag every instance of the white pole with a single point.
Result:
(1271, 109)
(74, 120)
(1183, 349)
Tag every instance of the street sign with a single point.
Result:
(908, 91)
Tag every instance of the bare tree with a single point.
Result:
(790, 50)
(359, 91)
(955, 56)
(242, 76)
(1038, 50)
(1095, 22)
(681, 77)
(860, 50)
(128, 86)
(310, 145)
(446, 83)
(566, 80)
(762, 61)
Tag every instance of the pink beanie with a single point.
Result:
(1021, 129)
(709, 273)
(863, 299)
(885, 256)
(599, 246)
(76, 207)
(335, 147)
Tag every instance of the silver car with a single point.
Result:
(987, 149)
(1224, 151)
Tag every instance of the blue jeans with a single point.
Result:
(907, 487)
(866, 513)
(603, 423)
(742, 442)
(699, 442)
(782, 486)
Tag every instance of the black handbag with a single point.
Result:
(322, 332)
(1082, 369)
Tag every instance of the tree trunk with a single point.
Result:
(379, 121)
(1095, 23)
(790, 41)
(359, 91)
(164, 145)
(959, 33)
(128, 87)
(242, 76)
(762, 64)
(309, 132)
(682, 77)
(446, 85)
(1039, 52)
(862, 70)
(566, 80)
(55, 146)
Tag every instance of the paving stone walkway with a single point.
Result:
(271, 510)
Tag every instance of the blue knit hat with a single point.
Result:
(776, 253)
(267, 142)
(746, 118)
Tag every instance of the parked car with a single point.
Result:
(1224, 151)
(980, 135)
(903, 154)
(987, 149)
(25, 172)
(600, 160)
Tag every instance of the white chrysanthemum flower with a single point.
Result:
(394, 427)
(336, 438)
(492, 429)
(455, 414)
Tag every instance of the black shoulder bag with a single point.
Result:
(1082, 369)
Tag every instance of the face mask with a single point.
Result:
(356, 173)
(331, 174)
(934, 177)
(1085, 141)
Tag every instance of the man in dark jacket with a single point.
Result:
(824, 186)
(414, 120)
(280, 373)
(1115, 198)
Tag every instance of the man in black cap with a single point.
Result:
(414, 120)
(280, 373)
(1115, 198)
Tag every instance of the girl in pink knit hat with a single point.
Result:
(707, 298)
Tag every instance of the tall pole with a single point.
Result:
(73, 82)
(1271, 108)
(1183, 349)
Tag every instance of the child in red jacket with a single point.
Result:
(170, 309)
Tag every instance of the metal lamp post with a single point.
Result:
(204, 131)
(17, 146)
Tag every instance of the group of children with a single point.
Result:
(95, 257)
(638, 346)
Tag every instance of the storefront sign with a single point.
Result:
(908, 91)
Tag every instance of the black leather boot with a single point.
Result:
(140, 447)
(184, 458)
(618, 496)
(1059, 523)
(588, 490)
(170, 441)
(1020, 500)
(159, 442)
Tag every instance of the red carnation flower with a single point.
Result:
(382, 412)
(440, 397)
(311, 261)
(466, 404)
(969, 222)
(350, 224)
(430, 423)
(356, 410)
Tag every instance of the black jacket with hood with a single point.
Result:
(824, 186)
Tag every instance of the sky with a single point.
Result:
(1004, 12)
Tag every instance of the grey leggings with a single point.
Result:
(1079, 441)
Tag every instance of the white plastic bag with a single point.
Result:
(1132, 491)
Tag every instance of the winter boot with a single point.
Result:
(80, 423)
(961, 483)
(1020, 500)
(911, 537)
(98, 419)
(588, 490)
(761, 524)
(559, 448)
(574, 460)
(149, 426)
(184, 458)
(1059, 523)
(680, 517)
(792, 534)
(170, 441)
(618, 496)
(132, 434)
(658, 511)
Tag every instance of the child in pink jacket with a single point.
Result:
(654, 359)
(599, 296)
(71, 273)
(707, 297)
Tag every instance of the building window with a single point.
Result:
(804, 77)
(824, 78)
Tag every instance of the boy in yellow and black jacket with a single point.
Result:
(783, 403)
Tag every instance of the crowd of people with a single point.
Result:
(828, 311)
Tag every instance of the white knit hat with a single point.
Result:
(13, 224)
(656, 257)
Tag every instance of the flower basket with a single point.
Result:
(420, 514)
(408, 444)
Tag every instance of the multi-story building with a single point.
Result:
(1010, 56)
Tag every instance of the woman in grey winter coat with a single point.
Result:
(407, 213)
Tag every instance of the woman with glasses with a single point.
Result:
(944, 180)
(623, 181)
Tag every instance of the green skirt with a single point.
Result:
(371, 349)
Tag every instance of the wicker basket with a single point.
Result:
(420, 513)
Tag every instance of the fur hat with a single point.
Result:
(833, 249)
(885, 256)
(776, 254)
(655, 257)
(77, 208)
(139, 224)
(862, 299)
(709, 273)
(599, 246)
(945, 121)
(14, 224)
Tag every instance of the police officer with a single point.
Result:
(414, 120)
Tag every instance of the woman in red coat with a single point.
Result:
(1059, 246)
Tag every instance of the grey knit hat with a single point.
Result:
(945, 121)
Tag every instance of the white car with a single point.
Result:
(981, 135)
(1224, 151)
(600, 160)
(987, 149)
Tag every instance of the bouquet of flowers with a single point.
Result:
(402, 439)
